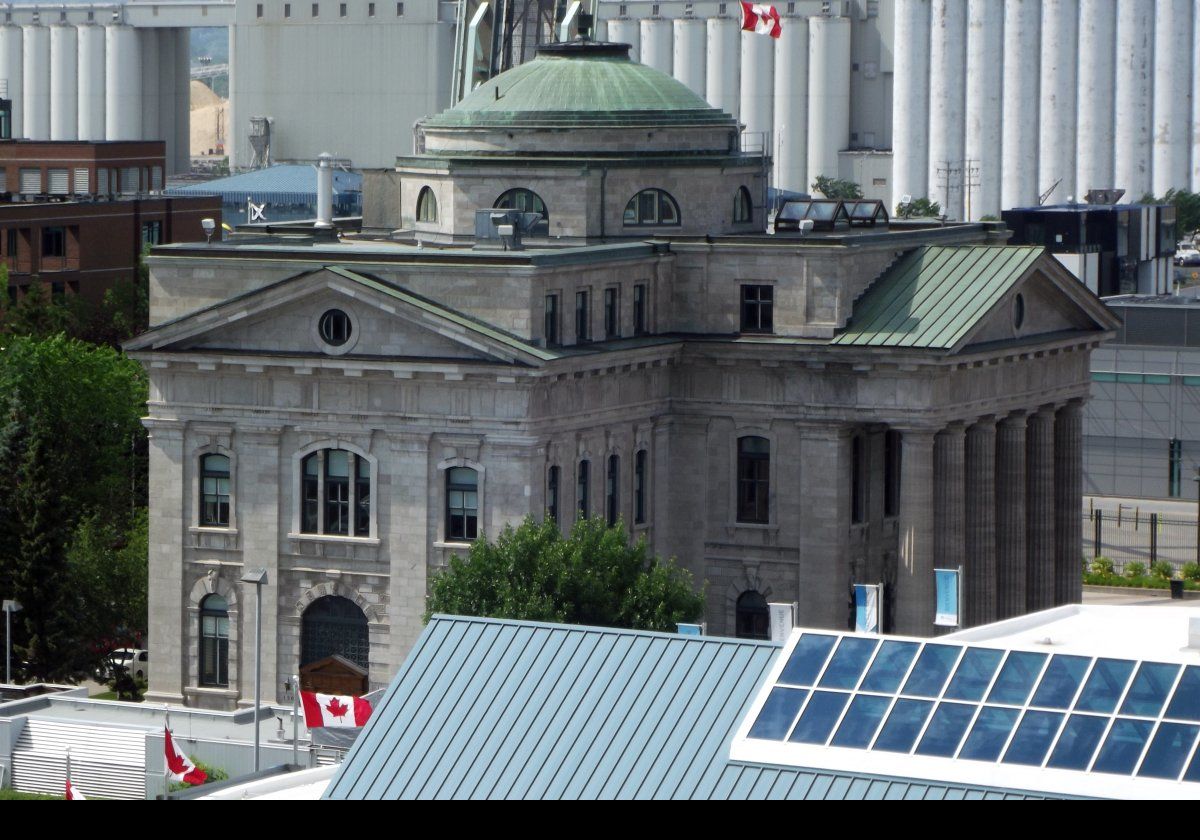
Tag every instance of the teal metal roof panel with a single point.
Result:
(935, 295)
(485, 708)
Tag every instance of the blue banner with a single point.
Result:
(946, 613)
(866, 608)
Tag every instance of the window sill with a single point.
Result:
(333, 538)
(754, 526)
(212, 529)
(211, 691)
(451, 544)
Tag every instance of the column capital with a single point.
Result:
(816, 429)
(1015, 418)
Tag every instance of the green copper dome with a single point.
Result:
(581, 83)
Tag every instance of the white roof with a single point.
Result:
(302, 784)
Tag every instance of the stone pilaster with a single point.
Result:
(949, 498)
(824, 523)
(258, 515)
(1039, 511)
(404, 524)
(1068, 504)
(914, 594)
(1010, 516)
(167, 585)
(980, 516)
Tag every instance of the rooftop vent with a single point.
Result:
(497, 227)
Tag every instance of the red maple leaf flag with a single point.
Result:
(333, 711)
(761, 18)
(72, 793)
(179, 767)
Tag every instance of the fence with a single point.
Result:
(1129, 535)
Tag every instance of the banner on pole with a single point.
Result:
(947, 582)
(868, 606)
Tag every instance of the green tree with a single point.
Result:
(108, 577)
(836, 187)
(594, 576)
(919, 208)
(1187, 209)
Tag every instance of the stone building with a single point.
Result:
(785, 413)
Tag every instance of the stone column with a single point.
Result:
(406, 533)
(1039, 510)
(980, 517)
(824, 576)
(1010, 516)
(1068, 504)
(259, 523)
(167, 587)
(914, 594)
(949, 498)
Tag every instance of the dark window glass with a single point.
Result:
(1033, 738)
(611, 483)
(362, 498)
(1078, 741)
(214, 490)
(552, 479)
(819, 716)
(334, 327)
(582, 482)
(310, 493)
(1174, 467)
(1149, 690)
(427, 208)
(152, 233)
(989, 733)
(1017, 677)
(742, 206)
(974, 673)
(807, 659)
(758, 309)
(214, 641)
(933, 667)
(752, 620)
(1105, 685)
(54, 242)
(891, 473)
(612, 314)
(849, 662)
(526, 201)
(1062, 679)
(858, 479)
(1123, 746)
(890, 666)
(861, 721)
(1168, 751)
(462, 503)
(639, 487)
(337, 491)
(1185, 703)
(335, 494)
(651, 207)
(946, 729)
(583, 317)
(903, 725)
(754, 480)
(334, 625)
(777, 714)
(552, 333)
(639, 309)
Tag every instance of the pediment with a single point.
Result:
(386, 323)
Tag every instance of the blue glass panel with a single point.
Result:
(946, 729)
(1193, 771)
(1103, 688)
(1060, 682)
(1186, 702)
(1077, 744)
(806, 660)
(848, 663)
(989, 733)
(1150, 688)
(932, 668)
(861, 720)
(1168, 751)
(1017, 677)
(778, 713)
(819, 716)
(889, 666)
(1033, 739)
(903, 725)
(1123, 746)
(974, 673)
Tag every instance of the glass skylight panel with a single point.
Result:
(1017, 677)
(1078, 742)
(819, 716)
(1150, 687)
(890, 666)
(1033, 739)
(1105, 686)
(1123, 746)
(903, 725)
(861, 721)
(946, 729)
(989, 733)
(848, 662)
(777, 713)
(1185, 704)
(1193, 771)
(974, 674)
(933, 667)
(1061, 681)
(1168, 751)
(807, 659)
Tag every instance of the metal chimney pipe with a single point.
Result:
(325, 190)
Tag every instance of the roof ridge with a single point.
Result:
(601, 630)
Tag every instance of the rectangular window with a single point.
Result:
(10, 247)
(311, 495)
(1174, 468)
(83, 180)
(54, 242)
(31, 181)
(552, 481)
(60, 181)
(553, 337)
(152, 233)
(370, 10)
(287, 10)
(399, 10)
(315, 9)
(130, 180)
(337, 492)
(891, 473)
(462, 503)
(581, 489)
(754, 480)
(214, 491)
(858, 480)
(342, 10)
(214, 646)
(758, 309)
(102, 182)
(258, 10)
(639, 309)
(612, 482)
(612, 313)
(583, 318)
(639, 487)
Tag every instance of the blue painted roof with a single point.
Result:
(280, 184)
(486, 708)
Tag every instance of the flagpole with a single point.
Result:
(295, 721)
(67, 784)
(166, 729)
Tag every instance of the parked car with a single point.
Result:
(1188, 257)
(136, 661)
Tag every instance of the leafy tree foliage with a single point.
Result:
(919, 208)
(1187, 209)
(594, 576)
(836, 187)
(123, 312)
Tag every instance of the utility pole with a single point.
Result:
(970, 180)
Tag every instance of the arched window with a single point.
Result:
(335, 494)
(426, 205)
(651, 207)
(526, 201)
(462, 503)
(742, 206)
(214, 491)
(753, 480)
(334, 625)
(214, 641)
(753, 616)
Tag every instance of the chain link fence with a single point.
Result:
(1130, 535)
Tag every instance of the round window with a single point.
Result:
(334, 327)
(1018, 311)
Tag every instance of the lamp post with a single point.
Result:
(258, 577)
(1197, 480)
(10, 607)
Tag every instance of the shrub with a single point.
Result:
(1191, 571)
(1163, 570)
(1135, 569)
(215, 774)
(1102, 566)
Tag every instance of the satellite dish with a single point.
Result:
(906, 199)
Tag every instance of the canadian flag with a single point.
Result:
(72, 793)
(761, 18)
(333, 710)
(179, 767)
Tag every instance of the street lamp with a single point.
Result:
(10, 607)
(258, 577)
(1197, 480)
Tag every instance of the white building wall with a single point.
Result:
(656, 44)
(64, 83)
(1135, 41)
(791, 106)
(985, 50)
(183, 100)
(724, 64)
(12, 41)
(1095, 141)
(1022, 55)
(910, 114)
(1172, 94)
(36, 76)
(626, 31)
(91, 83)
(123, 75)
(758, 83)
(1056, 139)
(1196, 97)
(688, 46)
(828, 94)
(947, 104)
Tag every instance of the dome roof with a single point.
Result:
(581, 83)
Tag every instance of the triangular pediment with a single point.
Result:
(385, 322)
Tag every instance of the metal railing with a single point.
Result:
(1130, 535)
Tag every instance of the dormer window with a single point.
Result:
(651, 207)
(426, 206)
(743, 207)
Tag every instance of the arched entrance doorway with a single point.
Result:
(334, 625)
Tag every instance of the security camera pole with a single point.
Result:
(10, 607)
(258, 577)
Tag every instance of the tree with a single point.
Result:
(919, 208)
(594, 576)
(108, 577)
(836, 187)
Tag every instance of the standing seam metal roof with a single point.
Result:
(935, 295)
